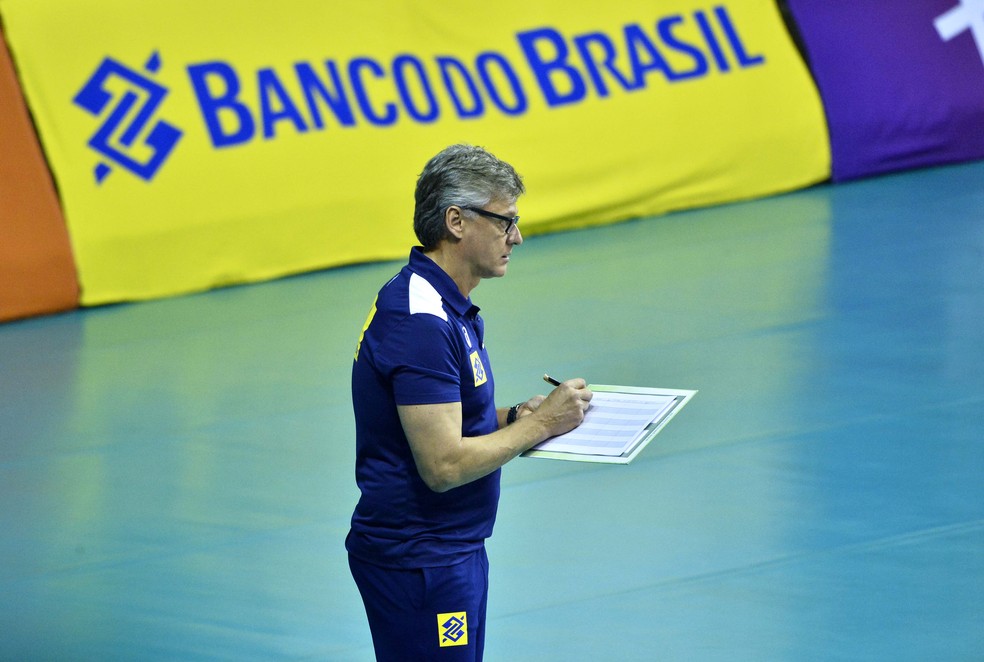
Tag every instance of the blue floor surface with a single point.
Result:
(176, 476)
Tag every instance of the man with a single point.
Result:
(429, 439)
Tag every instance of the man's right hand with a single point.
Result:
(563, 410)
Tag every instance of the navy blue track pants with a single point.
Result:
(426, 614)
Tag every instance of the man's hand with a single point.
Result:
(563, 410)
(530, 406)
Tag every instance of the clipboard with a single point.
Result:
(671, 400)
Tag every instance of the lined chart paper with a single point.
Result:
(613, 423)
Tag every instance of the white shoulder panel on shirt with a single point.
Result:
(424, 298)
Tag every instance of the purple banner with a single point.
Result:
(902, 81)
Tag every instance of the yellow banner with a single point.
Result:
(201, 144)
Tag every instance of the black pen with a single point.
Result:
(550, 380)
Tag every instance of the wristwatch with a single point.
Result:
(513, 413)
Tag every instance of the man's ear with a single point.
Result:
(454, 221)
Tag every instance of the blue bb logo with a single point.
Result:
(130, 135)
(452, 629)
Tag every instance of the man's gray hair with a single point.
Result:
(462, 175)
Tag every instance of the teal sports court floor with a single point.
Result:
(176, 476)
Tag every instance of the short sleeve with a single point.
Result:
(421, 355)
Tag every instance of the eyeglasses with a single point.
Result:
(509, 222)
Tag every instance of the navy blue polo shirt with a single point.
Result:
(424, 343)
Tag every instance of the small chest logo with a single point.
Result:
(452, 629)
(478, 369)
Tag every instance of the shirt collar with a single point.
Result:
(424, 266)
